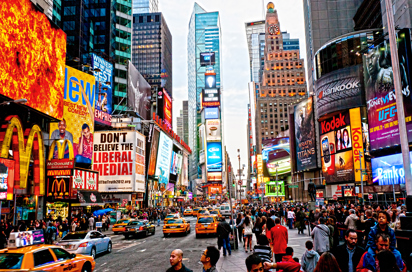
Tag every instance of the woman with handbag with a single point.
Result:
(248, 227)
(257, 228)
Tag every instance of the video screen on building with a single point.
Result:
(207, 58)
(276, 156)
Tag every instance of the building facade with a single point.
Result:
(185, 121)
(145, 6)
(253, 32)
(179, 124)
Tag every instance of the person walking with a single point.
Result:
(291, 217)
(263, 249)
(176, 261)
(349, 254)
(310, 258)
(300, 220)
(327, 263)
(257, 228)
(209, 259)
(351, 220)
(91, 223)
(223, 232)
(288, 264)
(248, 227)
(278, 237)
(320, 234)
(239, 227)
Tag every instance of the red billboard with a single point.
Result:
(33, 56)
(167, 109)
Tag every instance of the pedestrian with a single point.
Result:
(257, 228)
(349, 254)
(50, 233)
(369, 223)
(291, 217)
(64, 228)
(288, 264)
(239, 226)
(327, 263)
(74, 225)
(310, 258)
(254, 263)
(300, 220)
(176, 258)
(91, 223)
(263, 249)
(351, 220)
(248, 232)
(320, 234)
(223, 232)
(330, 224)
(209, 259)
(278, 237)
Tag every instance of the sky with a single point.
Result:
(235, 57)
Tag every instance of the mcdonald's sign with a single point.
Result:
(59, 187)
(58, 149)
(24, 146)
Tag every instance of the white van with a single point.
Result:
(225, 210)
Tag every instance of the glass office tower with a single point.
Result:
(204, 36)
(145, 6)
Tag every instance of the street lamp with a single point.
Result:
(17, 101)
(277, 188)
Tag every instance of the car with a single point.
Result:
(195, 211)
(119, 226)
(44, 258)
(206, 224)
(170, 216)
(215, 212)
(203, 212)
(225, 210)
(86, 242)
(139, 227)
(178, 225)
(188, 212)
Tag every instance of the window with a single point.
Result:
(69, 11)
(61, 254)
(42, 257)
(11, 260)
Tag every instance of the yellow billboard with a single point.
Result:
(77, 125)
(357, 143)
(259, 170)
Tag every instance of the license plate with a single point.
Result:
(173, 227)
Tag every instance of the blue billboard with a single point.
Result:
(214, 157)
(388, 170)
(103, 72)
(164, 157)
(211, 113)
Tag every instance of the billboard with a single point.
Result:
(357, 143)
(85, 180)
(305, 135)
(214, 176)
(211, 97)
(388, 170)
(210, 81)
(213, 132)
(140, 163)
(207, 58)
(276, 155)
(167, 109)
(6, 178)
(77, 125)
(138, 92)
(33, 57)
(115, 159)
(153, 152)
(163, 159)
(339, 90)
(211, 113)
(275, 188)
(214, 157)
(173, 164)
(185, 170)
(103, 72)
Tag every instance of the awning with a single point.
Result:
(88, 198)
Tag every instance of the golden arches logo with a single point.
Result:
(61, 148)
(58, 186)
(24, 144)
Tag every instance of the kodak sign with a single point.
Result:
(338, 121)
(357, 143)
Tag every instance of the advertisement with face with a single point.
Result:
(214, 176)
(77, 124)
(138, 92)
(164, 156)
(33, 58)
(214, 157)
(388, 170)
(103, 72)
(153, 152)
(343, 139)
(6, 177)
(274, 188)
(167, 109)
(305, 135)
(213, 132)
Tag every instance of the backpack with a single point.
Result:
(49, 230)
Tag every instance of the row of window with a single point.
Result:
(146, 19)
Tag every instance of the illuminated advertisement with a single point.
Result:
(173, 164)
(164, 155)
(274, 188)
(138, 92)
(388, 170)
(167, 109)
(211, 97)
(357, 143)
(207, 58)
(103, 72)
(179, 163)
(276, 154)
(6, 178)
(185, 170)
(214, 157)
(213, 132)
(153, 152)
(259, 169)
(339, 90)
(305, 135)
(210, 81)
(118, 159)
(214, 176)
(211, 113)
(33, 56)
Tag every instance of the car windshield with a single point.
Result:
(123, 221)
(196, 209)
(203, 220)
(214, 212)
(11, 260)
(202, 211)
(188, 210)
(135, 223)
(75, 236)
(170, 216)
(175, 221)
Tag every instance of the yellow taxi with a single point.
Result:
(170, 216)
(203, 212)
(216, 212)
(206, 224)
(120, 226)
(176, 225)
(44, 258)
(195, 211)
(187, 212)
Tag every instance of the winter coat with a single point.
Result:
(351, 221)
(320, 235)
(309, 260)
(342, 257)
(372, 235)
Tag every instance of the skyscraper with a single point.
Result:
(253, 32)
(179, 125)
(185, 121)
(204, 36)
(145, 6)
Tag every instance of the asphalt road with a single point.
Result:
(151, 254)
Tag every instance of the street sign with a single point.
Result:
(239, 182)
(370, 196)
(293, 186)
(335, 197)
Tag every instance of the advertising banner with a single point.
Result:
(114, 157)
(138, 92)
(357, 143)
(103, 72)
(210, 81)
(211, 113)
(207, 58)
(153, 152)
(211, 97)
(77, 125)
(33, 57)
(259, 170)
(214, 176)
(167, 109)
(305, 135)
(214, 157)
(140, 169)
(173, 166)
(59, 187)
(163, 159)
(185, 170)
(213, 132)
(389, 170)
(339, 90)
(276, 154)
(6, 178)
(275, 188)
(85, 180)
(179, 163)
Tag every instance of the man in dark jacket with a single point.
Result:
(369, 223)
(176, 258)
(349, 254)
(223, 231)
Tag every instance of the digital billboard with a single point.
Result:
(276, 155)
(211, 113)
(153, 152)
(275, 188)
(103, 72)
(140, 163)
(210, 81)
(339, 90)
(207, 58)
(357, 143)
(77, 124)
(214, 157)
(213, 132)
(305, 135)
(138, 92)
(164, 155)
(211, 97)
(167, 109)
(6, 177)
(214, 176)
(33, 57)
(389, 170)
(173, 164)
(185, 170)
